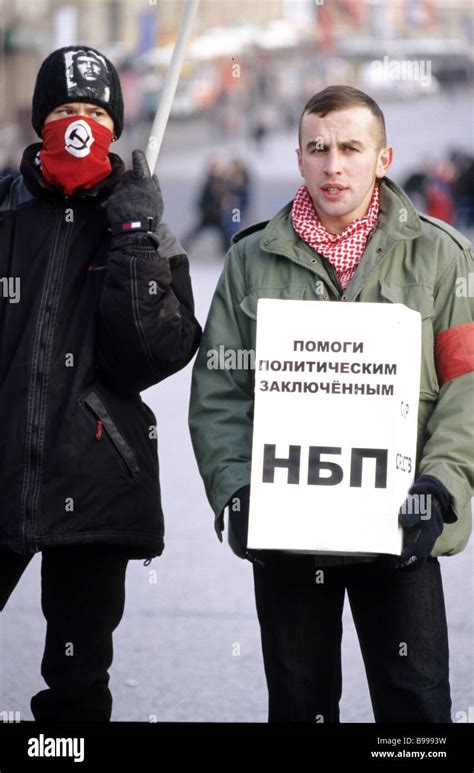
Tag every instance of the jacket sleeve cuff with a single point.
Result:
(223, 489)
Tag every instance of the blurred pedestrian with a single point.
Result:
(463, 188)
(263, 122)
(236, 200)
(439, 193)
(415, 187)
(210, 205)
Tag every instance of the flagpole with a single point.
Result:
(170, 84)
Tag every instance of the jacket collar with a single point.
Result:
(397, 217)
(39, 187)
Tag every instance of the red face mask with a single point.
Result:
(75, 152)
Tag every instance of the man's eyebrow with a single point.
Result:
(317, 143)
(73, 104)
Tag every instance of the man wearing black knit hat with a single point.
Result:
(103, 308)
(77, 74)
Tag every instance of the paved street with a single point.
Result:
(188, 647)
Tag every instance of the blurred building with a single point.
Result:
(344, 31)
(213, 13)
(119, 27)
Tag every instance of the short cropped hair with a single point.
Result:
(341, 98)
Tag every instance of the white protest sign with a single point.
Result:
(334, 440)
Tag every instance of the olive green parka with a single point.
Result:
(410, 259)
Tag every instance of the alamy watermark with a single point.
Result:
(465, 286)
(417, 504)
(10, 288)
(56, 747)
(230, 359)
(403, 69)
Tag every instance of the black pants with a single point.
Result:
(83, 598)
(401, 624)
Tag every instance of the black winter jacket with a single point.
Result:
(85, 325)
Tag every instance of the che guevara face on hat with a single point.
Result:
(87, 75)
(77, 74)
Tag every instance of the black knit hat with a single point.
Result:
(77, 74)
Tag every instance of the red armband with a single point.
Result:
(454, 352)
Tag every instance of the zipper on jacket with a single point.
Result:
(104, 424)
(37, 389)
(332, 274)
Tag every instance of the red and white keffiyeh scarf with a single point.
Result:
(345, 249)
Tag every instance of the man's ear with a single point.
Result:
(299, 156)
(383, 162)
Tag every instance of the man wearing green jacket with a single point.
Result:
(350, 234)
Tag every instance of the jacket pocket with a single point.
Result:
(419, 298)
(287, 292)
(105, 425)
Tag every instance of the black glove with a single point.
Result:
(422, 516)
(239, 505)
(136, 204)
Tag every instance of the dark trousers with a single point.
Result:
(82, 598)
(401, 625)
